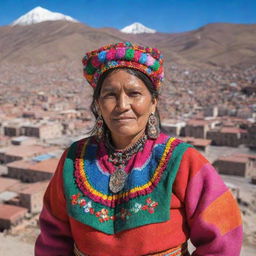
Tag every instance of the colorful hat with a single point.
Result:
(145, 59)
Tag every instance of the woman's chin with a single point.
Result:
(124, 132)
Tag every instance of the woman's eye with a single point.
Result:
(134, 94)
(110, 94)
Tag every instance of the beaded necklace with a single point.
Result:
(120, 158)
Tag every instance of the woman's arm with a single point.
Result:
(212, 212)
(55, 237)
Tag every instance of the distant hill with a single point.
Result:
(51, 41)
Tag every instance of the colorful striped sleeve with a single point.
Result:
(55, 237)
(212, 212)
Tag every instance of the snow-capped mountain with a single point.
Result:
(40, 14)
(137, 28)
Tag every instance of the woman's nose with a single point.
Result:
(123, 102)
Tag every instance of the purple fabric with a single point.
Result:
(55, 238)
(209, 242)
(206, 182)
(202, 190)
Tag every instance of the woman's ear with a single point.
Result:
(97, 106)
(154, 105)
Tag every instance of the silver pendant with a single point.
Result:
(117, 180)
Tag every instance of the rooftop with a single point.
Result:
(197, 122)
(196, 141)
(11, 211)
(233, 158)
(232, 130)
(48, 165)
(35, 187)
(26, 150)
(5, 183)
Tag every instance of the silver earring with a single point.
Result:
(153, 129)
(99, 127)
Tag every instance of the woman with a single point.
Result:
(130, 189)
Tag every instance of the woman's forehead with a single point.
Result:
(121, 78)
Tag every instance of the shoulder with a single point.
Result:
(79, 144)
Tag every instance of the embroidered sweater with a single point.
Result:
(172, 194)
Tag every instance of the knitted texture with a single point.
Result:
(145, 59)
(145, 199)
(198, 194)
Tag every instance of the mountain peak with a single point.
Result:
(137, 28)
(39, 14)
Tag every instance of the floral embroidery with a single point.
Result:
(150, 206)
(124, 214)
(103, 214)
(136, 208)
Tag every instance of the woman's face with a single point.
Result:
(125, 104)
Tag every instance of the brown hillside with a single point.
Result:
(212, 45)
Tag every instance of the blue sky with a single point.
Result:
(163, 15)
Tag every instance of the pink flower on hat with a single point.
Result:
(150, 60)
(111, 54)
(95, 61)
(120, 52)
(137, 55)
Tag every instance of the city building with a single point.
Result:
(173, 127)
(32, 171)
(6, 183)
(198, 128)
(11, 215)
(15, 153)
(199, 144)
(211, 111)
(32, 196)
(237, 165)
(12, 129)
(43, 130)
(252, 137)
(227, 136)
(23, 140)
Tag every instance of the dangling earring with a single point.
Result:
(99, 127)
(153, 126)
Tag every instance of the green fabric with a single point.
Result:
(90, 69)
(161, 194)
(129, 54)
(155, 66)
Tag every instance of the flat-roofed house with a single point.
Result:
(198, 128)
(11, 215)
(14, 153)
(173, 127)
(236, 164)
(6, 183)
(32, 171)
(227, 136)
(32, 196)
(43, 130)
(198, 143)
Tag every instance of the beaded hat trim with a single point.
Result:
(145, 59)
(111, 200)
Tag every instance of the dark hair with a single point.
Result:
(143, 77)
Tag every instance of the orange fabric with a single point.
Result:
(217, 209)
